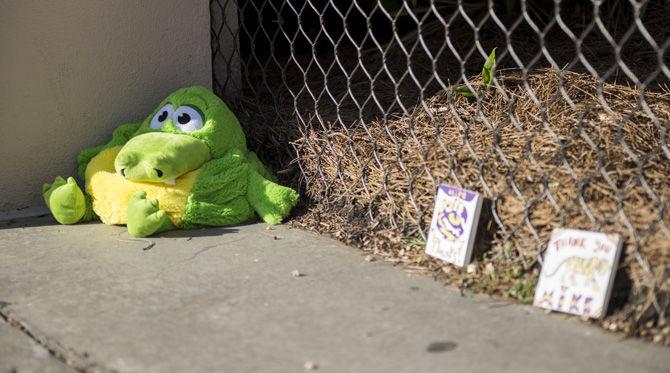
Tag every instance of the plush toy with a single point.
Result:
(186, 165)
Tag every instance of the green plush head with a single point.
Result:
(187, 129)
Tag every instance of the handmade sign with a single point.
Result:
(578, 272)
(454, 225)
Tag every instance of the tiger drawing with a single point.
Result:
(451, 220)
(575, 266)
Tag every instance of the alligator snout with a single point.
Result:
(160, 157)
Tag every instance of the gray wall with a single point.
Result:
(72, 70)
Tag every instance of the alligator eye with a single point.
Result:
(161, 116)
(183, 119)
(187, 119)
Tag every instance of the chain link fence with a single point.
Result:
(367, 106)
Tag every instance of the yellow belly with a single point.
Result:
(110, 192)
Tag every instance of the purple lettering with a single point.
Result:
(573, 303)
(587, 305)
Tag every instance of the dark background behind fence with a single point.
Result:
(352, 102)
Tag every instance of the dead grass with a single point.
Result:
(557, 150)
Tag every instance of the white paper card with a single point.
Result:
(578, 272)
(452, 231)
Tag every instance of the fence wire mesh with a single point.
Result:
(365, 106)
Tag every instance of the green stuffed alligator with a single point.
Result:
(187, 165)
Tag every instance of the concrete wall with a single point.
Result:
(72, 70)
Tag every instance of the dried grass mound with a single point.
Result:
(551, 149)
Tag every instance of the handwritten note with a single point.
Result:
(578, 272)
(454, 225)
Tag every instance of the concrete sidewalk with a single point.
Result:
(225, 299)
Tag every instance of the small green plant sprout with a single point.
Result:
(489, 66)
(488, 72)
